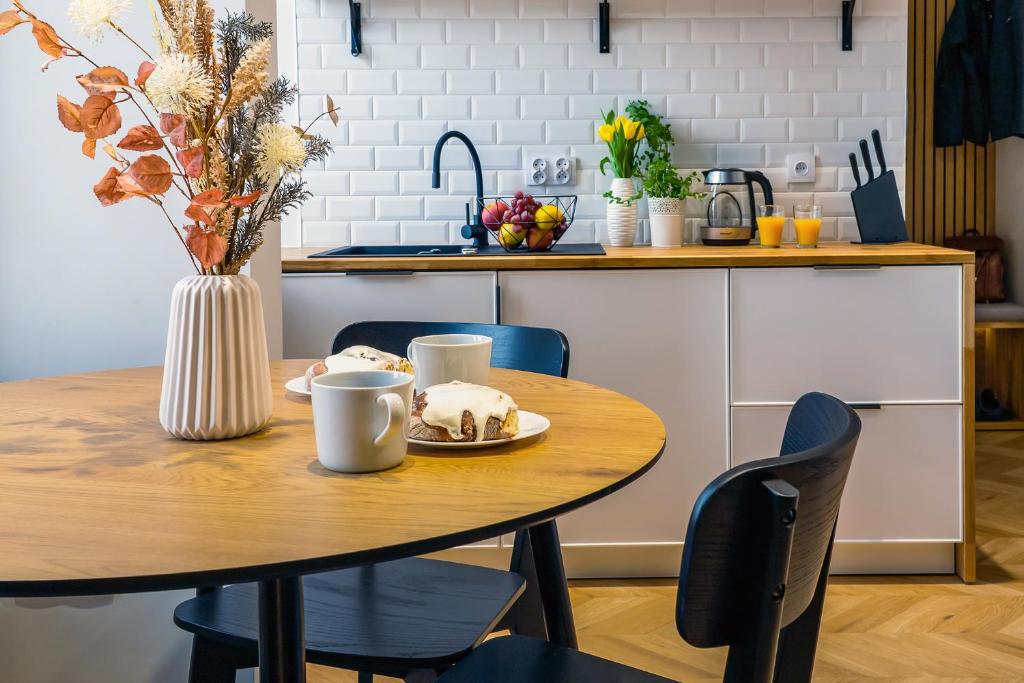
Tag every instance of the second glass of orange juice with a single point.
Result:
(807, 221)
(771, 220)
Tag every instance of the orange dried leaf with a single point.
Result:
(211, 199)
(100, 117)
(174, 125)
(9, 20)
(191, 160)
(126, 184)
(89, 148)
(151, 173)
(109, 150)
(207, 246)
(70, 114)
(198, 214)
(108, 189)
(244, 200)
(47, 39)
(332, 111)
(145, 70)
(103, 80)
(143, 138)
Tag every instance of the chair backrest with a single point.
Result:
(533, 349)
(759, 539)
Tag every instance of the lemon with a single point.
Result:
(509, 238)
(548, 216)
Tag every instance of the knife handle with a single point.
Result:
(879, 154)
(856, 168)
(866, 153)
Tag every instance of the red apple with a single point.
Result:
(493, 214)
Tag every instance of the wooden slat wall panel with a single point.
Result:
(948, 190)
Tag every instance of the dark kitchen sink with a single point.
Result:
(454, 250)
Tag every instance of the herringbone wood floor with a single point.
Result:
(877, 629)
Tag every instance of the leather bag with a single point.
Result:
(989, 282)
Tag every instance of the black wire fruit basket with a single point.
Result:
(523, 222)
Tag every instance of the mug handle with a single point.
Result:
(396, 418)
(408, 354)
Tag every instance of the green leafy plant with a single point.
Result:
(658, 141)
(663, 180)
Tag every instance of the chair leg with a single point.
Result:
(420, 676)
(365, 677)
(213, 662)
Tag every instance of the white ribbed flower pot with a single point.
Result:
(622, 217)
(666, 221)
(216, 370)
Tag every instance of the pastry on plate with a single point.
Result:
(358, 358)
(463, 412)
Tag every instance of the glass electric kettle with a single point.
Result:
(725, 225)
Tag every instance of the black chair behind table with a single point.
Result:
(411, 618)
(754, 570)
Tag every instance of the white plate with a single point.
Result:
(530, 424)
(297, 386)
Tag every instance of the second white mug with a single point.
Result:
(443, 358)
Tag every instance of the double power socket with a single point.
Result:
(556, 171)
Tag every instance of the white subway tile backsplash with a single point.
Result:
(742, 83)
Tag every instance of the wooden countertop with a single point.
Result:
(694, 256)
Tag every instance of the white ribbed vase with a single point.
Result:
(622, 217)
(216, 370)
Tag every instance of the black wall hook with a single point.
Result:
(356, 23)
(604, 13)
(848, 6)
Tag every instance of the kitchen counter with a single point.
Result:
(693, 256)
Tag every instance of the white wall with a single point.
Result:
(1010, 211)
(82, 287)
(743, 82)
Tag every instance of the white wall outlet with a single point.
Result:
(800, 168)
(536, 171)
(564, 171)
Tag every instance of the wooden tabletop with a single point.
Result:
(692, 256)
(96, 498)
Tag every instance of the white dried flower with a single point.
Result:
(281, 150)
(91, 17)
(179, 85)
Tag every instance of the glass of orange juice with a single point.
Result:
(807, 221)
(771, 219)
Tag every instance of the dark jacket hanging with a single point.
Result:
(979, 77)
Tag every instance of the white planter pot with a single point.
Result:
(216, 371)
(666, 221)
(622, 217)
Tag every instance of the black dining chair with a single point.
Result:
(754, 571)
(410, 618)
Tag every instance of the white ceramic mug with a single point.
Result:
(361, 419)
(443, 358)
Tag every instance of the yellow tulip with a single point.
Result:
(606, 132)
(641, 133)
(629, 129)
(621, 121)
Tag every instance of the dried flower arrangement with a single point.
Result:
(212, 117)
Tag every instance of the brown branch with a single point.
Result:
(130, 39)
(174, 227)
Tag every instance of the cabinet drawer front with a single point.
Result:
(904, 484)
(884, 334)
(316, 307)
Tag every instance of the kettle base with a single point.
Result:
(737, 236)
(708, 242)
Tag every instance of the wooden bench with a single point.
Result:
(999, 330)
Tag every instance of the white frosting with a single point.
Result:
(446, 403)
(361, 358)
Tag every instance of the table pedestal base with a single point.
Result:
(282, 639)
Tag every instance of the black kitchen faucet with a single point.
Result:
(474, 228)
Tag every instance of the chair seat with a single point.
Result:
(387, 618)
(516, 659)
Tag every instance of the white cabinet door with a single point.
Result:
(659, 336)
(904, 484)
(882, 335)
(317, 306)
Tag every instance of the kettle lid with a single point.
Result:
(725, 176)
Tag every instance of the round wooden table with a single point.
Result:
(97, 498)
